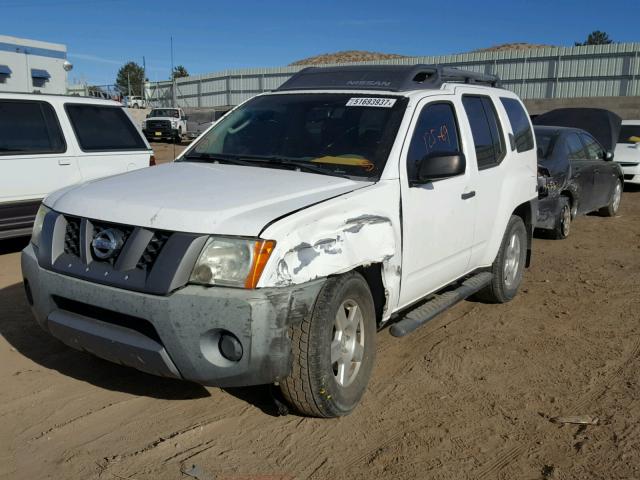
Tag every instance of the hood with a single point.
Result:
(199, 197)
(162, 118)
(604, 125)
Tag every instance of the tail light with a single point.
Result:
(152, 161)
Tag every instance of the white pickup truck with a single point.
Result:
(165, 123)
(303, 221)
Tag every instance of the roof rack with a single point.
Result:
(395, 78)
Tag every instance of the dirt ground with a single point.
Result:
(166, 152)
(470, 395)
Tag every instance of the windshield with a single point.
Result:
(164, 112)
(629, 134)
(335, 134)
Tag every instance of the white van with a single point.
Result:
(48, 142)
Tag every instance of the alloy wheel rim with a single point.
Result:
(512, 260)
(347, 346)
(566, 220)
(617, 194)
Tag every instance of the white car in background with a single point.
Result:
(48, 142)
(627, 152)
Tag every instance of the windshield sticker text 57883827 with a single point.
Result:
(371, 102)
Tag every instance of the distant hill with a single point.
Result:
(350, 56)
(347, 56)
(513, 46)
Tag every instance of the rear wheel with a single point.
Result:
(333, 350)
(614, 201)
(508, 267)
(563, 222)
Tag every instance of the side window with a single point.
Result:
(485, 128)
(29, 127)
(593, 148)
(575, 148)
(436, 132)
(101, 128)
(519, 124)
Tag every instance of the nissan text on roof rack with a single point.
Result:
(302, 222)
(48, 142)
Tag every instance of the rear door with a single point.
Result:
(582, 169)
(109, 140)
(34, 159)
(490, 150)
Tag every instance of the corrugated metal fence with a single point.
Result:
(568, 72)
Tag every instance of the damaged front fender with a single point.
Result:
(337, 236)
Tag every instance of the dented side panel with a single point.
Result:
(337, 236)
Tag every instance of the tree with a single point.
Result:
(130, 75)
(179, 72)
(596, 38)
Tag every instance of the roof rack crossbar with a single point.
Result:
(395, 78)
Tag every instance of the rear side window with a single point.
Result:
(575, 148)
(485, 129)
(436, 133)
(519, 124)
(28, 127)
(100, 128)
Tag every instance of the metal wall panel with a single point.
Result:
(586, 71)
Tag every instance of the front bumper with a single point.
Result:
(164, 133)
(631, 173)
(548, 212)
(176, 335)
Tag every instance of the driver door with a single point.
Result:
(437, 216)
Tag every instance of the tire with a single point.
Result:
(563, 222)
(611, 209)
(135, 105)
(178, 137)
(317, 386)
(508, 267)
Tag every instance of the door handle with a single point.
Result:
(64, 161)
(468, 195)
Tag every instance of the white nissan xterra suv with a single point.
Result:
(307, 218)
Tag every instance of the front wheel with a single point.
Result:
(614, 202)
(508, 267)
(563, 222)
(333, 350)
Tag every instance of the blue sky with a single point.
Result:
(209, 36)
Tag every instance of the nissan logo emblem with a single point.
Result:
(106, 243)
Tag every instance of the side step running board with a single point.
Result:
(427, 311)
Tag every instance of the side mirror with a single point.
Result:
(148, 115)
(608, 156)
(438, 166)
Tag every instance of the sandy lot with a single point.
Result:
(470, 395)
(166, 152)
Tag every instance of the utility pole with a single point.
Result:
(144, 80)
(173, 78)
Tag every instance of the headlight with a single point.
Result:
(232, 262)
(173, 123)
(37, 225)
